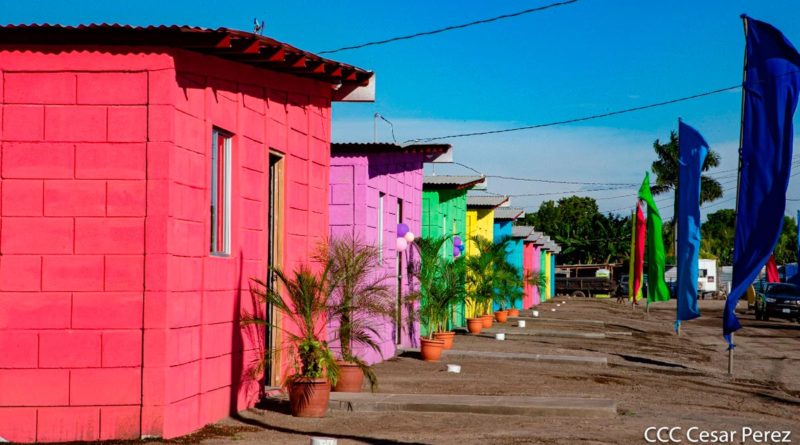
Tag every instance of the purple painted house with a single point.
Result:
(375, 187)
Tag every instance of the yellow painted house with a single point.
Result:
(480, 222)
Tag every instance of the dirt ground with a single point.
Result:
(657, 378)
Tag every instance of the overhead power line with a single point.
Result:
(580, 119)
(448, 28)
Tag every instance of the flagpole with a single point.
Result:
(739, 171)
(675, 232)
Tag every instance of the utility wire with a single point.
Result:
(581, 119)
(448, 28)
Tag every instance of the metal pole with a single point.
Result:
(375, 127)
(730, 358)
(739, 173)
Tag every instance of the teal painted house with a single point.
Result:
(504, 218)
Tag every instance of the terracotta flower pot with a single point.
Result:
(351, 378)
(431, 350)
(447, 337)
(474, 325)
(309, 397)
(487, 320)
(513, 312)
(501, 316)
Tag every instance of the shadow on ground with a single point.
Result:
(284, 408)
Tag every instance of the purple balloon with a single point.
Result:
(457, 241)
(402, 229)
(456, 252)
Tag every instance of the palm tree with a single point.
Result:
(666, 170)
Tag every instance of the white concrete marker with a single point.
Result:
(521, 324)
(454, 368)
(552, 310)
(535, 313)
(323, 441)
(558, 304)
(500, 336)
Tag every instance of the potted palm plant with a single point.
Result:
(509, 289)
(303, 298)
(484, 271)
(361, 302)
(441, 283)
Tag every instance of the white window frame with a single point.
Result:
(226, 197)
(381, 209)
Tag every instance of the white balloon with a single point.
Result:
(402, 244)
(409, 236)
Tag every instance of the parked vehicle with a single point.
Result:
(779, 300)
(586, 280)
(707, 278)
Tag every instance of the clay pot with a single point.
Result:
(447, 337)
(474, 325)
(431, 350)
(487, 320)
(501, 316)
(309, 397)
(351, 378)
(513, 312)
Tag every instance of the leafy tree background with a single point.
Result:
(584, 234)
(718, 232)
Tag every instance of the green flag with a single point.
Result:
(656, 286)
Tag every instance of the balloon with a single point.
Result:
(402, 229)
(457, 241)
(456, 252)
(402, 244)
(462, 247)
(410, 237)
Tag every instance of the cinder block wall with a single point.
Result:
(114, 320)
(72, 239)
(357, 180)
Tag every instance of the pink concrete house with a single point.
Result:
(147, 174)
(375, 187)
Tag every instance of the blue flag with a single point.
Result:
(692, 151)
(772, 82)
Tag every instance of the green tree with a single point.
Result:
(786, 249)
(718, 233)
(717, 236)
(585, 234)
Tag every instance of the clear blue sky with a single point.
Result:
(585, 58)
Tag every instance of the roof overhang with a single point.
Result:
(349, 83)
(451, 182)
(428, 151)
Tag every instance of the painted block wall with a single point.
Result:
(514, 250)
(480, 222)
(116, 322)
(356, 183)
(527, 269)
(73, 215)
(548, 287)
(537, 268)
(552, 274)
(444, 212)
(543, 270)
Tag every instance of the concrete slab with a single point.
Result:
(556, 320)
(465, 403)
(574, 359)
(514, 331)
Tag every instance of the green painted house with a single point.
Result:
(444, 212)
